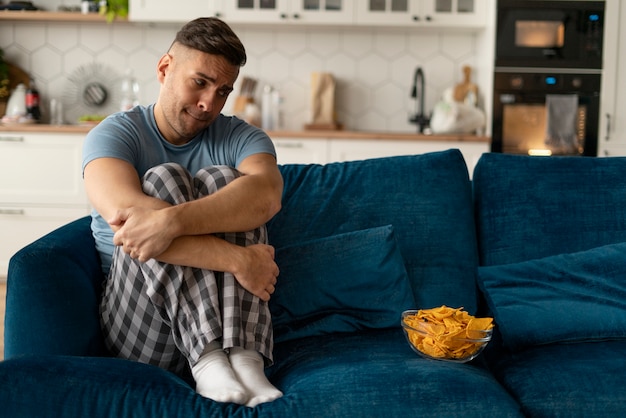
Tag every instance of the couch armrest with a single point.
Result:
(53, 292)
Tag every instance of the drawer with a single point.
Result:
(301, 151)
(41, 169)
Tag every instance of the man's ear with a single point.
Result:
(162, 66)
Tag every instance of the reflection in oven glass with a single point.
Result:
(524, 131)
(539, 34)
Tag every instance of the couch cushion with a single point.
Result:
(533, 207)
(567, 380)
(63, 386)
(564, 298)
(341, 283)
(375, 374)
(327, 376)
(427, 198)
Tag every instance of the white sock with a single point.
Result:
(215, 378)
(248, 366)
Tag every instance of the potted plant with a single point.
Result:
(114, 8)
(4, 83)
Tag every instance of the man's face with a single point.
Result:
(194, 89)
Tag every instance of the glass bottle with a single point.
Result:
(130, 91)
(33, 110)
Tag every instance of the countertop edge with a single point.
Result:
(305, 134)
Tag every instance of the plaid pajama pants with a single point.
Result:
(164, 314)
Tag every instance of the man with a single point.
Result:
(173, 185)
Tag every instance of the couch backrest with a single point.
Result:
(427, 198)
(534, 207)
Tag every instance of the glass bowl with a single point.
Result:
(434, 341)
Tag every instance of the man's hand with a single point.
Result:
(141, 232)
(256, 270)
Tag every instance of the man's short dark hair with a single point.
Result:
(213, 36)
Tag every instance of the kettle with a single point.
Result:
(16, 106)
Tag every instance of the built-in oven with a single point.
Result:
(546, 113)
(552, 33)
(548, 69)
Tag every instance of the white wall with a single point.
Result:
(373, 66)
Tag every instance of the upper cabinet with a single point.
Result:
(423, 13)
(286, 11)
(167, 10)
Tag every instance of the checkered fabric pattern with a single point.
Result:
(164, 314)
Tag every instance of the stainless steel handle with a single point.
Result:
(11, 211)
(608, 127)
(289, 145)
(11, 139)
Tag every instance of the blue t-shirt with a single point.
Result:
(133, 137)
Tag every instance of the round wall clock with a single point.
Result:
(92, 90)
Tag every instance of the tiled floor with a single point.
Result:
(3, 293)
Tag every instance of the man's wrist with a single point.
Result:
(175, 221)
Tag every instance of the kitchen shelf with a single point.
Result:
(44, 16)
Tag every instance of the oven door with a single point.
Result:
(549, 34)
(522, 124)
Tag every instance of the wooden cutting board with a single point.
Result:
(16, 76)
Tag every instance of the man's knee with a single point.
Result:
(212, 178)
(170, 182)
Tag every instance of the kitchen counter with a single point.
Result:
(310, 134)
(43, 128)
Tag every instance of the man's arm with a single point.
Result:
(242, 205)
(114, 190)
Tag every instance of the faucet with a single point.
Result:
(419, 118)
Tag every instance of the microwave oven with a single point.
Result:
(552, 33)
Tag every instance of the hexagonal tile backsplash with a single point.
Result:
(373, 67)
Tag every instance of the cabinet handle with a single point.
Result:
(608, 127)
(296, 16)
(289, 145)
(8, 211)
(11, 139)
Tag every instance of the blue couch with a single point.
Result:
(535, 242)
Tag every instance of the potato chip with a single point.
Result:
(446, 332)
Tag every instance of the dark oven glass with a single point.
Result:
(521, 120)
(533, 33)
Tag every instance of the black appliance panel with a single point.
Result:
(528, 90)
(555, 34)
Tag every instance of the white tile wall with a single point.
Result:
(373, 67)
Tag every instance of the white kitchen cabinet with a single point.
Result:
(287, 11)
(612, 135)
(424, 13)
(347, 150)
(41, 187)
(169, 11)
(301, 151)
(323, 150)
